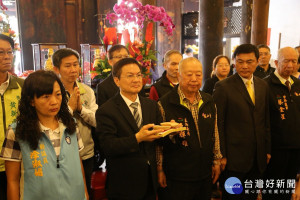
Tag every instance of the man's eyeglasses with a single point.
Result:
(121, 56)
(132, 76)
(9, 53)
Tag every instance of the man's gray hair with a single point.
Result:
(187, 60)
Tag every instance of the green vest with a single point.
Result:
(9, 108)
(48, 177)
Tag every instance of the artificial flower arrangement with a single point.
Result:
(132, 11)
(101, 68)
(5, 26)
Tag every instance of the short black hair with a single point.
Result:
(8, 39)
(246, 48)
(263, 46)
(114, 48)
(117, 68)
(62, 53)
(189, 50)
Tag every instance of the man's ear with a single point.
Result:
(117, 80)
(276, 63)
(56, 70)
(165, 65)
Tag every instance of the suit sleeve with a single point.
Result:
(219, 96)
(101, 97)
(110, 142)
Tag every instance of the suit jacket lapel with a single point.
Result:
(124, 110)
(258, 91)
(242, 88)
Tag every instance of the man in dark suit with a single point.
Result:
(129, 149)
(243, 121)
(108, 88)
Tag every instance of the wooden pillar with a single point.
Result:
(260, 16)
(73, 28)
(89, 21)
(246, 21)
(40, 21)
(163, 41)
(211, 33)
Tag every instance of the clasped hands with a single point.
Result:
(74, 100)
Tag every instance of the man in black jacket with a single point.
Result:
(169, 78)
(263, 69)
(108, 88)
(285, 120)
(188, 161)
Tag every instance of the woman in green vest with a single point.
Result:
(41, 150)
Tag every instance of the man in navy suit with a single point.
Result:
(124, 126)
(243, 121)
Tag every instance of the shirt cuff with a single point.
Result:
(71, 110)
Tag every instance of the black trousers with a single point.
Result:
(88, 166)
(3, 186)
(150, 192)
(252, 175)
(284, 164)
(182, 190)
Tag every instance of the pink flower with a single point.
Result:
(134, 11)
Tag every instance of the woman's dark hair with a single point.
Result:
(37, 84)
(215, 62)
(117, 68)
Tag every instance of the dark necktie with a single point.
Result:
(136, 114)
(288, 84)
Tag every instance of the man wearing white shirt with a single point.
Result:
(124, 126)
(82, 104)
(243, 121)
